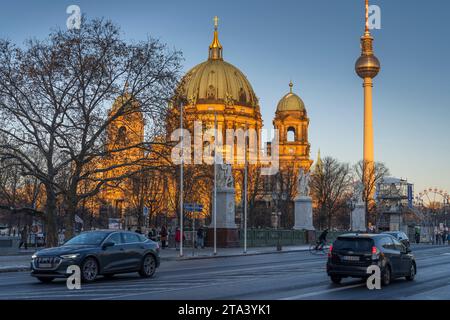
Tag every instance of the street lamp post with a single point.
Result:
(277, 216)
(181, 181)
(245, 195)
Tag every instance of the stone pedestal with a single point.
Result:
(303, 213)
(227, 231)
(359, 217)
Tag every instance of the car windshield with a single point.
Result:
(87, 238)
(353, 244)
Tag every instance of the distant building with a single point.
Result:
(394, 199)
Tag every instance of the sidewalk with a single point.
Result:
(21, 261)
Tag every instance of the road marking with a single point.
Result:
(306, 295)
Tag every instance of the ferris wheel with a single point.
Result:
(433, 199)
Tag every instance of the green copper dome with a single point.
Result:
(291, 102)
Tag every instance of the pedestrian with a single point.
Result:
(178, 238)
(152, 234)
(200, 238)
(436, 236)
(417, 235)
(163, 236)
(24, 238)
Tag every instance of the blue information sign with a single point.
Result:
(193, 207)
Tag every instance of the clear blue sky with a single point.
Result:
(314, 43)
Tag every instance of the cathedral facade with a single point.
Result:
(219, 95)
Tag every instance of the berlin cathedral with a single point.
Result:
(219, 94)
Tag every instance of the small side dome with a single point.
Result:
(291, 102)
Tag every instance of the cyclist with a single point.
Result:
(322, 240)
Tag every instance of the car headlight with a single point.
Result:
(70, 256)
(34, 256)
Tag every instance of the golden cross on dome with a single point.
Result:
(216, 22)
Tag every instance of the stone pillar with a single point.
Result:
(359, 217)
(303, 213)
(227, 231)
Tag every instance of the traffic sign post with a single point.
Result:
(193, 207)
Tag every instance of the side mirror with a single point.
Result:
(107, 244)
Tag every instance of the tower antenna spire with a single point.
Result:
(367, 17)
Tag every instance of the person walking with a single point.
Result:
(178, 238)
(436, 236)
(417, 235)
(201, 238)
(163, 236)
(24, 238)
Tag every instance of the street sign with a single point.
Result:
(193, 207)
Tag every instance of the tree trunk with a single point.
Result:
(69, 218)
(51, 232)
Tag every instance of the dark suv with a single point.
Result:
(100, 252)
(351, 255)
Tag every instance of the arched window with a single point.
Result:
(290, 134)
(242, 96)
(211, 94)
(121, 136)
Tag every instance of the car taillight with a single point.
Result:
(375, 253)
(330, 251)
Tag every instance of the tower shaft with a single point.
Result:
(368, 155)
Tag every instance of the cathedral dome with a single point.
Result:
(217, 81)
(291, 102)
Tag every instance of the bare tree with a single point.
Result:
(330, 186)
(54, 101)
(370, 174)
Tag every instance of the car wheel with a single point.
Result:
(89, 270)
(148, 266)
(387, 276)
(412, 273)
(336, 279)
(45, 279)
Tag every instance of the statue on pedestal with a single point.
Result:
(359, 192)
(225, 176)
(303, 180)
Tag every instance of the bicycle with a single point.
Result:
(316, 248)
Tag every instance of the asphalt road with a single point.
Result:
(295, 275)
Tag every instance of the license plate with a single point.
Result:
(350, 258)
(45, 265)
